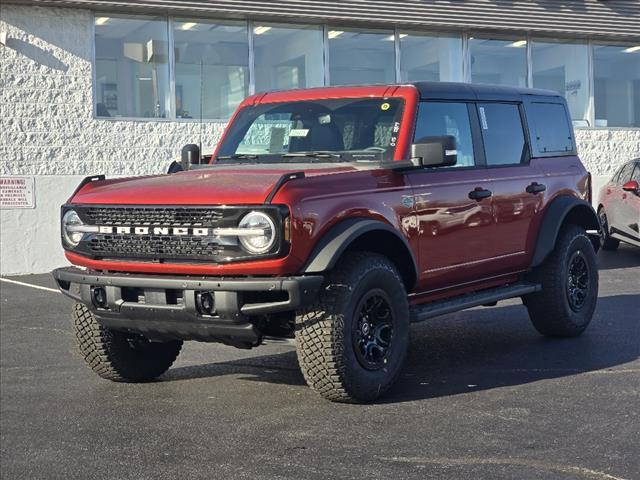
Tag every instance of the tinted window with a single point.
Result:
(502, 133)
(625, 173)
(636, 173)
(551, 127)
(436, 119)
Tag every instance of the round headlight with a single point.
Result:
(70, 221)
(260, 242)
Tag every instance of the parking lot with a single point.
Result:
(482, 396)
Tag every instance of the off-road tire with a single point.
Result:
(121, 356)
(606, 242)
(551, 310)
(325, 330)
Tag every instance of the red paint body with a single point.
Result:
(459, 244)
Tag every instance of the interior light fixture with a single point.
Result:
(334, 33)
(102, 20)
(391, 38)
(261, 29)
(188, 25)
(518, 44)
(632, 49)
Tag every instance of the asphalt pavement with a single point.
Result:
(483, 396)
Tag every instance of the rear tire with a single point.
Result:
(606, 242)
(569, 279)
(352, 342)
(121, 356)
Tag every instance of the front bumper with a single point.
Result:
(166, 306)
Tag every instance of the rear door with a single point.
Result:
(518, 190)
(455, 230)
(630, 207)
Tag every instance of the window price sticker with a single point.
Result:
(16, 192)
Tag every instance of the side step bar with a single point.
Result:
(450, 305)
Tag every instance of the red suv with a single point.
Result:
(337, 216)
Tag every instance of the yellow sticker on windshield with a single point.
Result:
(385, 106)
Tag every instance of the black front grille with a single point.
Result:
(158, 216)
(152, 246)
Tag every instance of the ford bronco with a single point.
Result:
(337, 216)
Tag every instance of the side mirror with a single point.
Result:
(434, 152)
(631, 186)
(190, 155)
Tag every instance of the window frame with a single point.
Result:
(526, 155)
(476, 136)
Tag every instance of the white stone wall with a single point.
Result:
(48, 130)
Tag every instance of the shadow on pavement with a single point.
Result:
(626, 256)
(474, 350)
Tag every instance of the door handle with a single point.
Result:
(479, 193)
(536, 187)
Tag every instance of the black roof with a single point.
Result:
(472, 91)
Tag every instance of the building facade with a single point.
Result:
(91, 87)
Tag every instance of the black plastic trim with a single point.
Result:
(85, 180)
(553, 219)
(281, 181)
(336, 241)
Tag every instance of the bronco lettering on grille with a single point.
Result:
(134, 230)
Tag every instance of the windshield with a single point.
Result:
(362, 129)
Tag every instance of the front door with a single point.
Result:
(452, 204)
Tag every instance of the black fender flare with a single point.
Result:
(342, 235)
(562, 209)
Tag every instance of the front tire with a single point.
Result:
(606, 242)
(569, 279)
(121, 356)
(353, 341)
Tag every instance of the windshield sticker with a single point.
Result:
(298, 132)
(483, 119)
(396, 127)
(276, 141)
(385, 106)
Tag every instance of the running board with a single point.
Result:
(450, 305)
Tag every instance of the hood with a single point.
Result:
(223, 185)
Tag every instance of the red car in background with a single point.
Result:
(619, 207)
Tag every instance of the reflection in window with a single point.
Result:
(212, 67)
(288, 57)
(132, 67)
(502, 133)
(617, 85)
(430, 58)
(361, 57)
(501, 62)
(563, 67)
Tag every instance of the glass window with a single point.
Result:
(430, 58)
(361, 57)
(132, 67)
(636, 173)
(617, 85)
(502, 133)
(563, 67)
(551, 127)
(625, 174)
(288, 57)
(212, 67)
(501, 62)
(436, 119)
(361, 129)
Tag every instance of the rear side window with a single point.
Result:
(502, 132)
(636, 173)
(436, 119)
(551, 125)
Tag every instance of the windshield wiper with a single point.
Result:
(318, 154)
(235, 156)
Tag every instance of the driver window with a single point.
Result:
(436, 119)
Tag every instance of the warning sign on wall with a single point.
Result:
(16, 192)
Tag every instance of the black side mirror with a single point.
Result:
(190, 155)
(434, 152)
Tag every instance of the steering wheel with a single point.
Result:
(375, 149)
